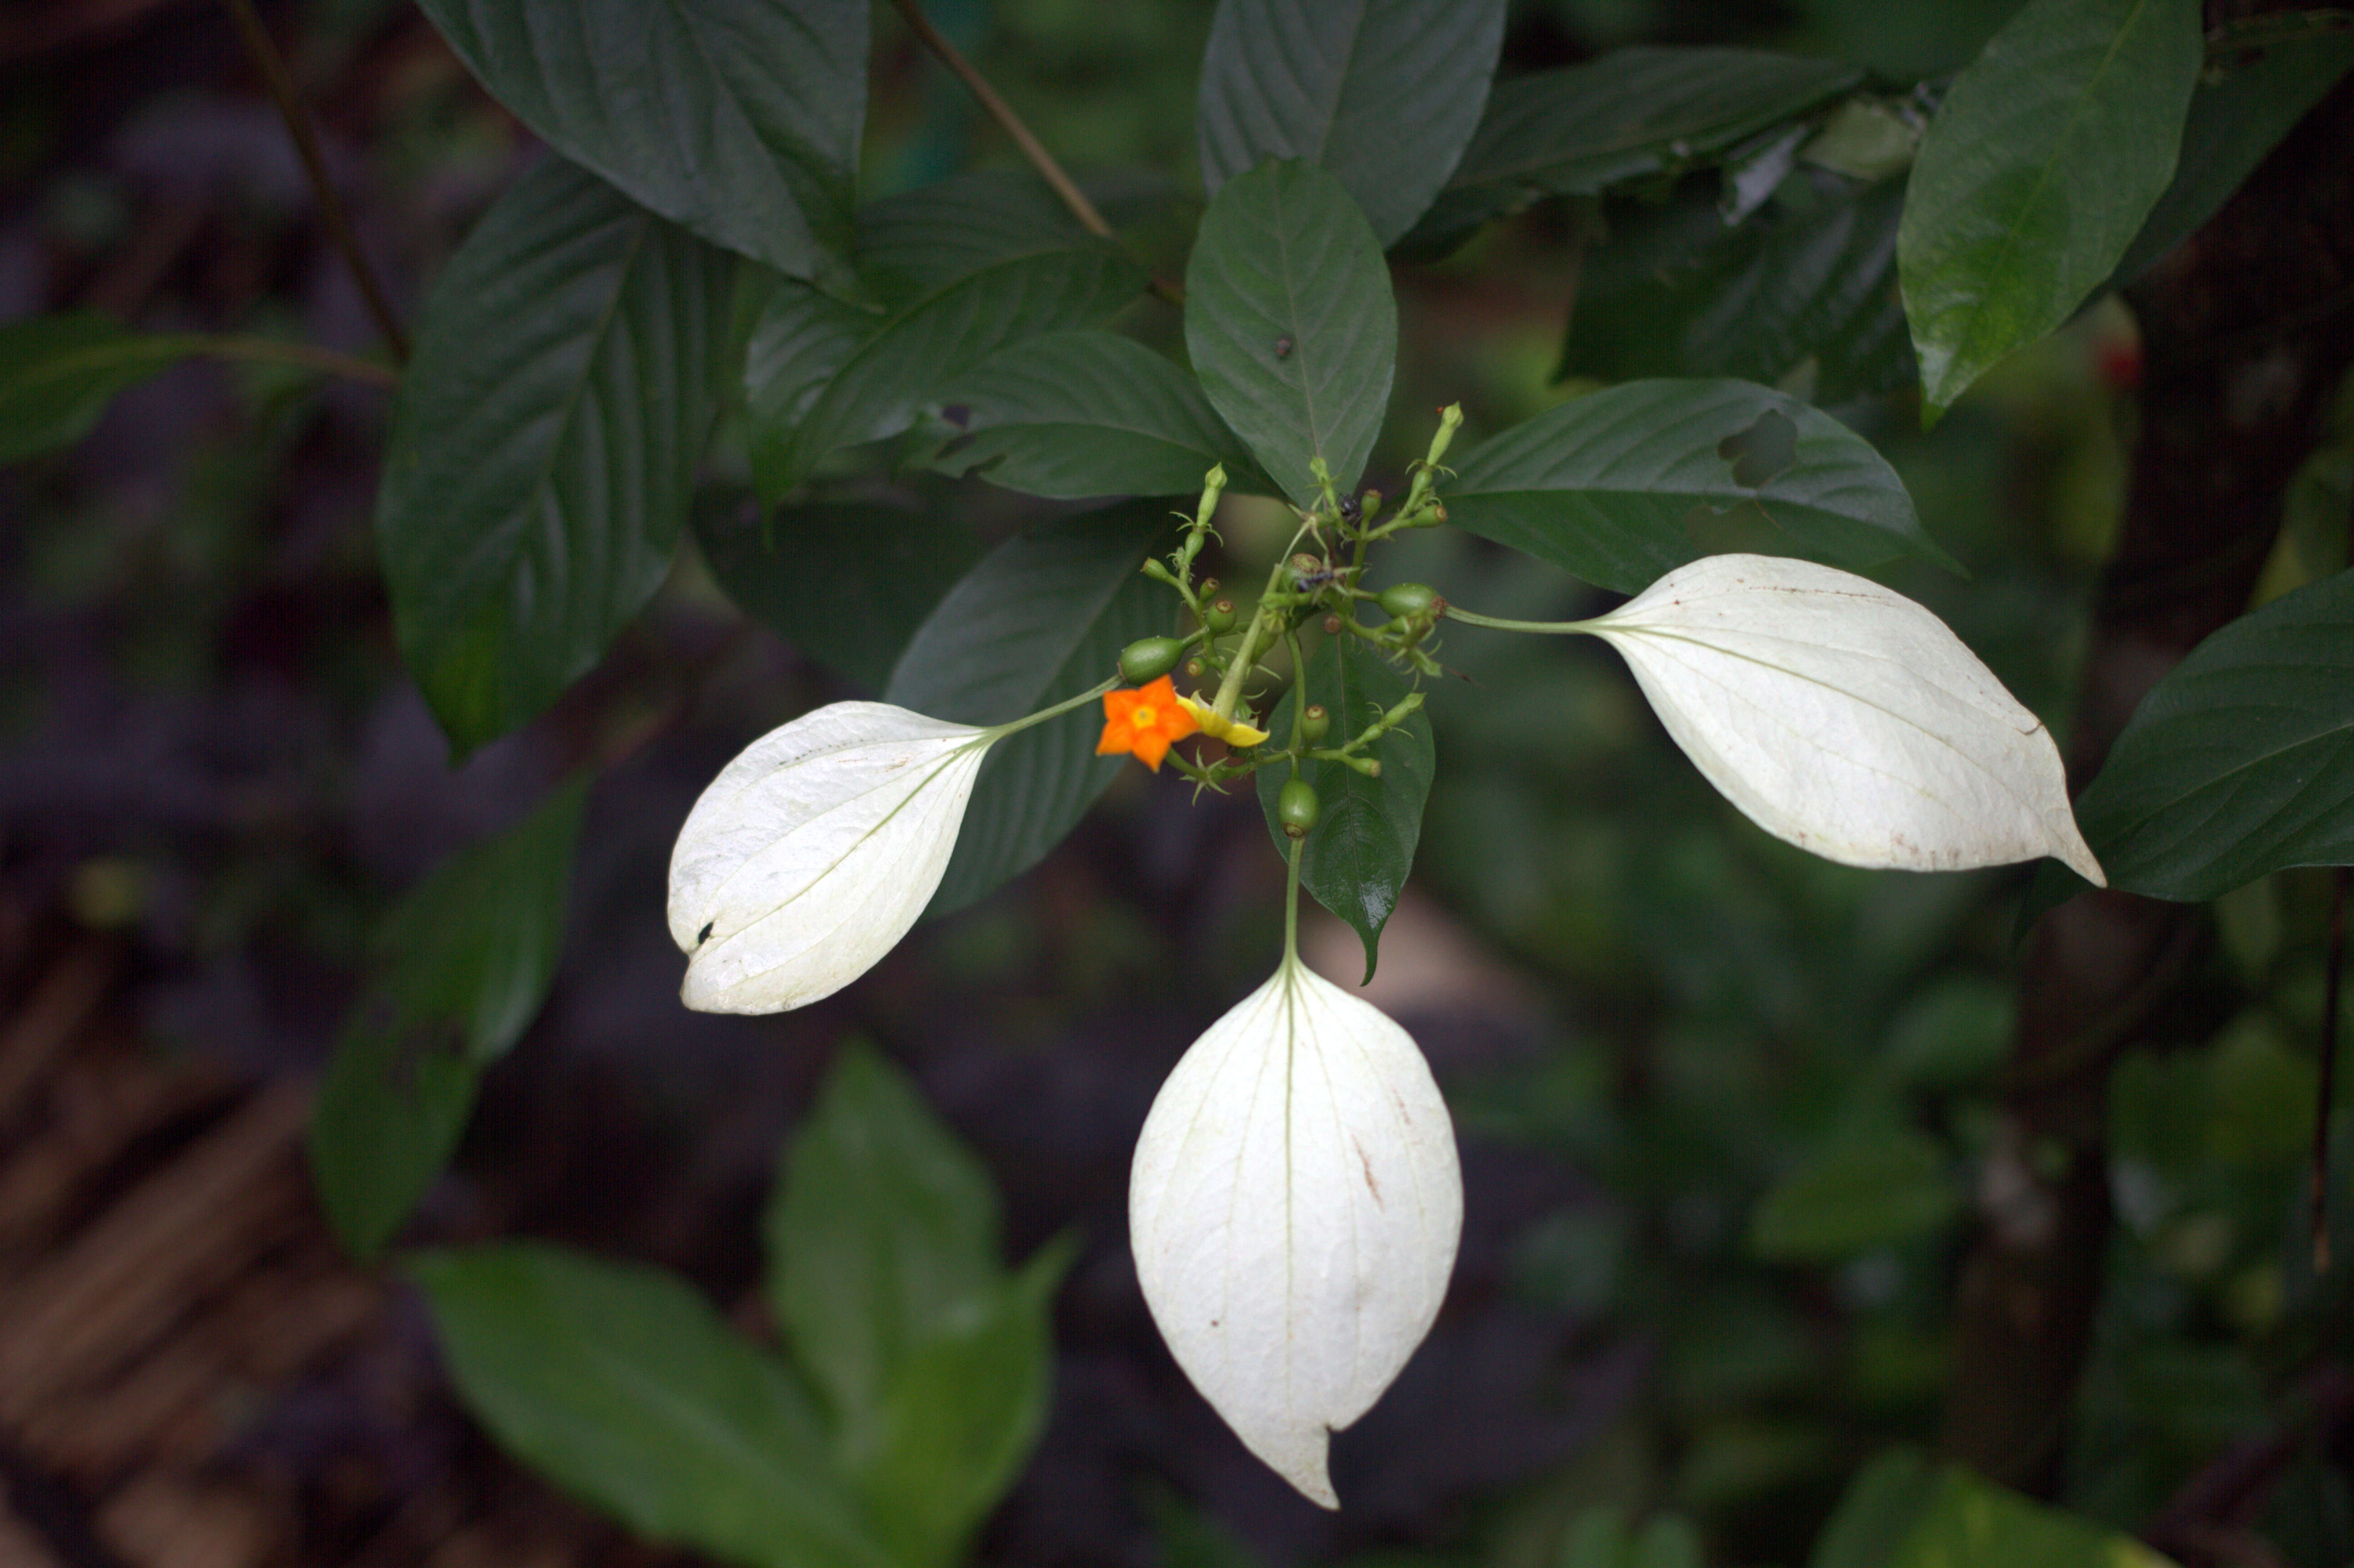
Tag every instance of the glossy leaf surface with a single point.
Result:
(1356, 858)
(1290, 323)
(846, 584)
(1603, 486)
(1089, 413)
(2241, 762)
(1382, 94)
(543, 443)
(739, 119)
(2041, 166)
(1042, 618)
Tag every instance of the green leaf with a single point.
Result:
(1804, 290)
(919, 241)
(58, 372)
(799, 343)
(1880, 1509)
(881, 1236)
(2041, 166)
(1381, 94)
(1089, 413)
(1855, 1196)
(1040, 618)
(622, 1385)
(467, 958)
(1632, 115)
(847, 584)
(881, 385)
(1290, 323)
(2232, 124)
(1605, 486)
(1357, 856)
(543, 443)
(2241, 761)
(739, 119)
(962, 1417)
(1970, 1523)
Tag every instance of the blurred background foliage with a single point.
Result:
(1722, 1104)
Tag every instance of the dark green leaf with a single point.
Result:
(880, 386)
(624, 1387)
(1382, 94)
(1803, 290)
(1089, 413)
(961, 1418)
(1631, 115)
(1855, 1196)
(846, 584)
(58, 373)
(1603, 486)
(800, 342)
(2041, 166)
(467, 959)
(920, 241)
(2232, 124)
(2241, 761)
(739, 119)
(1970, 1523)
(1880, 1509)
(1357, 856)
(544, 444)
(881, 1236)
(1290, 323)
(1040, 618)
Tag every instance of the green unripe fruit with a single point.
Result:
(1149, 659)
(1315, 722)
(1407, 602)
(1220, 617)
(1193, 669)
(1298, 808)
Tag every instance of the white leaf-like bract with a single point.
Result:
(814, 851)
(1845, 718)
(1294, 1208)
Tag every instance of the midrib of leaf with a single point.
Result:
(1341, 83)
(1292, 310)
(880, 823)
(1777, 720)
(134, 348)
(2316, 737)
(2012, 231)
(543, 485)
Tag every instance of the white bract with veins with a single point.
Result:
(1295, 1207)
(1846, 718)
(814, 851)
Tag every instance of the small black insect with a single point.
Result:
(704, 935)
(1283, 348)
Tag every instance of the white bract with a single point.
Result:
(1845, 718)
(1295, 1207)
(814, 851)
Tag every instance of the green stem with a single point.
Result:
(998, 732)
(1543, 628)
(274, 352)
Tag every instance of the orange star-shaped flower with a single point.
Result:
(1143, 722)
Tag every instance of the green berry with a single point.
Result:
(1408, 601)
(1314, 722)
(1149, 659)
(1297, 807)
(1220, 617)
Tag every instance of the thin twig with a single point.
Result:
(306, 143)
(1032, 148)
(271, 350)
